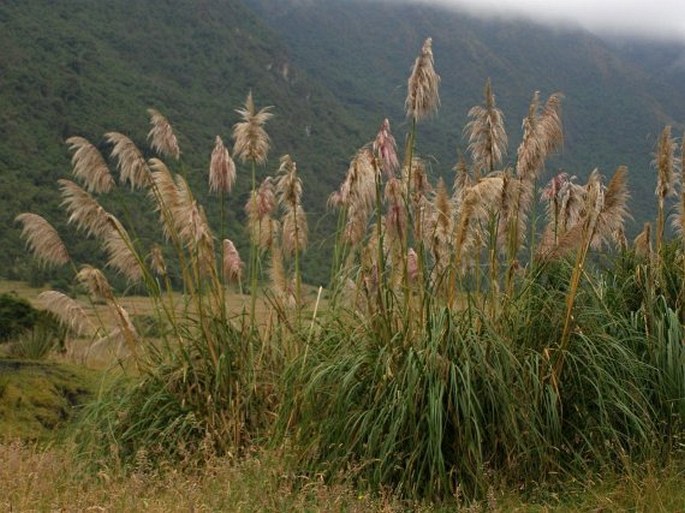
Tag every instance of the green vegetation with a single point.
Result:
(39, 398)
(477, 336)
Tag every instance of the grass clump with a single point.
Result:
(460, 343)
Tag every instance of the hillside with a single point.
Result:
(614, 108)
(84, 68)
(331, 69)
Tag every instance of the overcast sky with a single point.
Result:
(658, 18)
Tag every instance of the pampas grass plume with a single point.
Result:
(43, 240)
(161, 135)
(423, 98)
(90, 166)
(251, 140)
(221, 168)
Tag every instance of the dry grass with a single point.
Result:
(48, 479)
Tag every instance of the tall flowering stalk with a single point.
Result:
(666, 178)
(161, 136)
(221, 179)
(604, 213)
(486, 134)
(422, 101)
(251, 143)
(289, 193)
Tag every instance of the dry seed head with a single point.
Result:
(96, 283)
(422, 87)
(412, 265)
(157, 262)
(120, 250)
(68, 311)
(396, 215)
(221, 169)
(165, 194)
(385, 148)
(643, 242)
(288, 184)
(43, 240)
(486, 134)
(251, 140)
(232, 264)
(131, 163)
(613, 210)
(84, 210)
(90, 166)
(665, 164)
(295, 231)
(279, 282)
(161, 135)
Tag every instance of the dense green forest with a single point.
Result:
(85, 68)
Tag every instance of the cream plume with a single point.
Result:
(422, 87)
(120, 250)
(90, 166)
(132, 166)
(486, 134)
(43, 240)
(385, 148)
(96, 283)
(251, 140)
(161, 135)
(84, 210)
(232, 264)
(157, 262)
(68, 311)
(165, 193)
(221, 169)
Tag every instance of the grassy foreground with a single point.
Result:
(48, 479)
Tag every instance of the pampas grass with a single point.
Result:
(43, 240)
(423, 98)
(89, 166)
(161, 136)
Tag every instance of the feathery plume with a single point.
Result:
(462, 180)
(119, 247)
(157, 262)
(679, 218)
(643, 242)
(442, 226)
(412, 265)
(664, 162)
(251, 140)
(396, 215)
(69, 311)
(90, 166)
(166, 195)
(357, 194)
(288, 184)
(478, 204)
(486, 134)
(295, 231)
(613, 211)
(279, 283)
(161, 135)
(422, 87)
(259, 208)
(385, 148)
(221, 169)
(232, 264)
(84, 210)
(43, 240)
(96, 283)
(131, 163)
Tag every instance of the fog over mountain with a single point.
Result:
(659, 19)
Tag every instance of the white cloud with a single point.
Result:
(656, 18)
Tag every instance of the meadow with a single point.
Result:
(492, 344)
